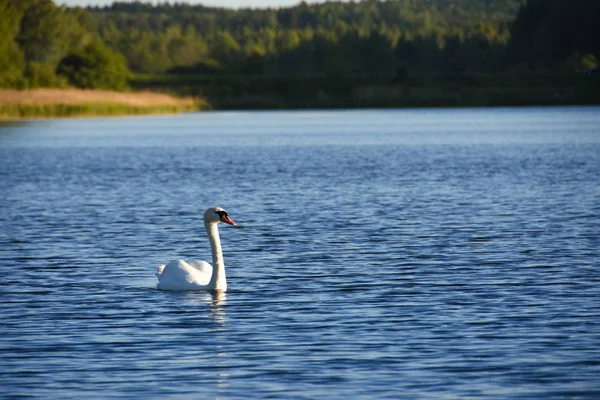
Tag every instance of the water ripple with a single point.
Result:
(433, 262)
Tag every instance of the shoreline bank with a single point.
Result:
(260, 92)
(60, 103)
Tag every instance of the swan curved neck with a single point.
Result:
(218, 280)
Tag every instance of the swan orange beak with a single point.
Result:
(228, 220)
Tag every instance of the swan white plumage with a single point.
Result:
(199, 275)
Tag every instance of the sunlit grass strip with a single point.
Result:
(87, 109)
(50, 103)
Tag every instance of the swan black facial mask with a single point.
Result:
(224, 217)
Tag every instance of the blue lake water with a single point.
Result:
(431, 253)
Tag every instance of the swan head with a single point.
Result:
(214, 215)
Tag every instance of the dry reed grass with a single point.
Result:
(77, 102)
(78, 96)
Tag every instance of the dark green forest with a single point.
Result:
(338, 54)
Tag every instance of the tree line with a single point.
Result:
(42, 44)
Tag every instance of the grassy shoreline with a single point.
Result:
(243, 92)
(250, 92)
(57, 103)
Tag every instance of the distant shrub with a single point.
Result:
(11, 64)
(43, 75)
(588, 63)
(96, 67)
(207, 66)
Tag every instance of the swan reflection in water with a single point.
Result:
(218, 302)
(215, 303)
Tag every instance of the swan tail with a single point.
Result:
(159, 271)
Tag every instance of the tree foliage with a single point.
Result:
(35, 35)
(11, 56)
(44, 33)
(357, 38)
(95, 67)
(395, 39)
(549, 32)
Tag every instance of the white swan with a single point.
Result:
(199, 275)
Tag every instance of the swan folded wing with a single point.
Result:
(201, 266)
(180, 275)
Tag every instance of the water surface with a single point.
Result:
(435, 253)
